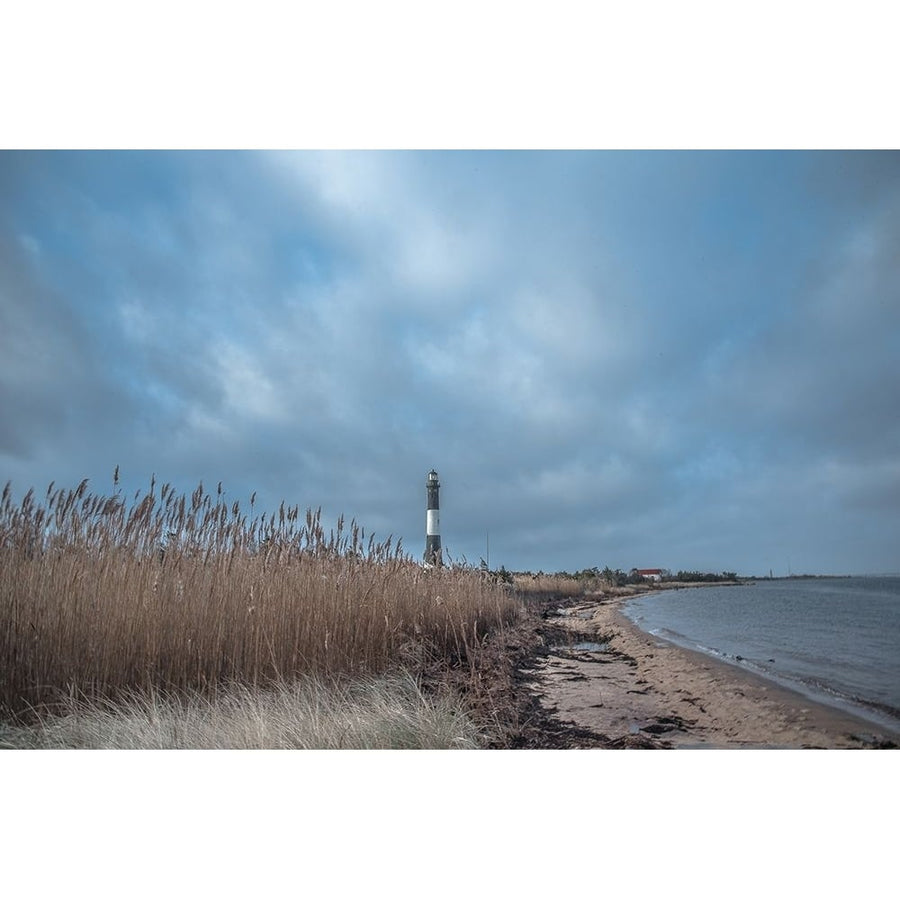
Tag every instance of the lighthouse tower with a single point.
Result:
(432, 520)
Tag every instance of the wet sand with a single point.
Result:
(640, 690)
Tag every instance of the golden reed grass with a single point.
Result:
(561, 586)
(102, 594)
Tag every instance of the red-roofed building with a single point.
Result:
(649, 574)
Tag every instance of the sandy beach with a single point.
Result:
(605, 675)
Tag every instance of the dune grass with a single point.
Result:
(385, 712)
(102, 596)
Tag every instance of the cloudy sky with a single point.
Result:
(677, 359)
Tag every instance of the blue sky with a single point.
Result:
(679, 359)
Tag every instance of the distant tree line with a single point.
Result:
(705, 576)
(612, 577)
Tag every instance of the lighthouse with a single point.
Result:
(432, 520)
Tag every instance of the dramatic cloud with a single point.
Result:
(678, 359)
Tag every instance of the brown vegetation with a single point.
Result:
(539, 586)
(101, 596)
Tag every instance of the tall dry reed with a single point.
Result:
(543, 587)
(101, 594)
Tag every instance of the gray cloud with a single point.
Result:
(54, 394)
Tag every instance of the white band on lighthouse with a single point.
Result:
(432, 521)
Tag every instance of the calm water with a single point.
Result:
(835, 639)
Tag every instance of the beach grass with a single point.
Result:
(388, 712)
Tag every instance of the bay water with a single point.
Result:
(836, 640)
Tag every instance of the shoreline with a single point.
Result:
(638, 689)
(827, 716)
(871, 717)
